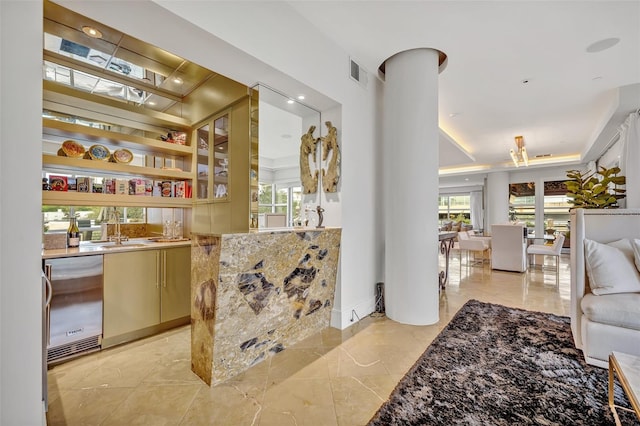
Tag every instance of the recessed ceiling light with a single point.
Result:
(91, 32)
(301, 97)
(466, 179)
(177, 80)
(285, 136)
(601, 45)
(597, 78)
(454, 114)
(290, 101)
(151, 103)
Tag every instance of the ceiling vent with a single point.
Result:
(357, 73)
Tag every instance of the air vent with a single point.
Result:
(543, 155)
(357, 73)
(76, 348)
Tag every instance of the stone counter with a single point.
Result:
(255, 294)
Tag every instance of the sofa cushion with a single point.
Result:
(620, 310)
(611, 267)
(635, 244)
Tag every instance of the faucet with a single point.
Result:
(117, 236)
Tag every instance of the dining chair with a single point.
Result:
(475, 245)
(548, 250)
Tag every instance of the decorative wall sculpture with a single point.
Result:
(331, 175)
(308, 147)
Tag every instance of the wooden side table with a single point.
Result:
(627, 367)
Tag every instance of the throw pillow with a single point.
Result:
(636, 252)
(611, 267)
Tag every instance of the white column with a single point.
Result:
(21, 298)
(410, 175)
(539, 207)
(497, 198)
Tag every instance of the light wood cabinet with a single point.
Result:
(175, 296)
(131, 292)
(144, 290)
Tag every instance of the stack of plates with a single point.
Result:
(71, 149)
(99, 152)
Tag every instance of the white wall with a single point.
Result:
(296, 53)
(20, 206)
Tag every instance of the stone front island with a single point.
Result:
(255, 294)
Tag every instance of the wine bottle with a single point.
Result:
(73, 234)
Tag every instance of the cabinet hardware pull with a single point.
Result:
(157, 269)
(164, 268)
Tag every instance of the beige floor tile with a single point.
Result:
(304, 363)
(86, 406)
(301, 402)
(236, 402)
(337, 377)
(124, 369)
(357, 399)
(150, 404)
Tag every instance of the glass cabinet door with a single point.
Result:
(221, 157)
(203, 187)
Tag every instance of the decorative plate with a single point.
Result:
(72, 149)
(122, 156)
(99, 152)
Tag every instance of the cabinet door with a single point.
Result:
(203, 138)
(131, 291)
(176, 283)
(221, 157)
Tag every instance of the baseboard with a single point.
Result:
(342, 319)
(111, 341)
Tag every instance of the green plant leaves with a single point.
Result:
(595, 189)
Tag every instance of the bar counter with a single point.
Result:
(255, 294)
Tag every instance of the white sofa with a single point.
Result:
(509, 247)
(602, 323)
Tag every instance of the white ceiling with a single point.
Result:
(571, 94)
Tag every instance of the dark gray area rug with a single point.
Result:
(494, 365)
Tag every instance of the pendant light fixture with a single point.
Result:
(519, 156)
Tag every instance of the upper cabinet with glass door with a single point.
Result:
(221, 160)
(213, 159)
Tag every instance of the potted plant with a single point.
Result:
(595, 190)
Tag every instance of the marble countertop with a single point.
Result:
(275, 230)
(89, 248)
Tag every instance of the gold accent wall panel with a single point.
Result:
(254, 295)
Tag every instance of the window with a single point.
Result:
(556, 206)
(454, 207)
(522, 203)
(275, 199)
(55, 219)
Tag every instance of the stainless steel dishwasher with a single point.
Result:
(74, 315)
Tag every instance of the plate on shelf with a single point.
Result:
(122, 156)
(71, 149)
(99, 152)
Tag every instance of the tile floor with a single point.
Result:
(333, 378)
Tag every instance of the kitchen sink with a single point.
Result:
(114, 246)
